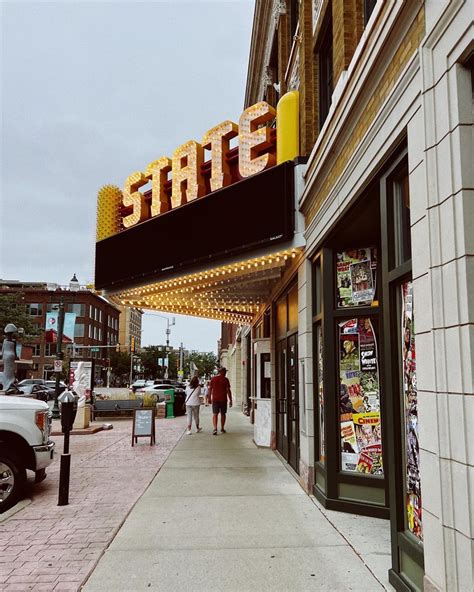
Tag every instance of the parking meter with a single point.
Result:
(68, 402)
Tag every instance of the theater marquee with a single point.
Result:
(185, 214)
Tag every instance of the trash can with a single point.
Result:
(169, 400)
(179, 400)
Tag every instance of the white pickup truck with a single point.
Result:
(25, 425)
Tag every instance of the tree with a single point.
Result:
(149, 357)
(120, 365)
(206, 362)
(13, 310)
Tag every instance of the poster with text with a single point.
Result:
(356, 271)
(359, 391)
(410, 398)
(322, 445)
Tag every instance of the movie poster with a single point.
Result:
(356, 277)
(412, 451)
(361, 430)
(322, 444)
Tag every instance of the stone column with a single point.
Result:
(440, 141)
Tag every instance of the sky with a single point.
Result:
(91, 92)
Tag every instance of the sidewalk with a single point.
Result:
(224, 515)
(44, 547)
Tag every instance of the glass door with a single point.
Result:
(293, 402)
(282, 401)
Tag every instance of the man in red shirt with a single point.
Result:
(219, 390)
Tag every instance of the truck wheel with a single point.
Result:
(12, 480)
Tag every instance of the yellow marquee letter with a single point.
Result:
(132, 197)
(217, 140)
(157, 171)
(288, 127)
(109, 201)
(253, 139)
(187, 182)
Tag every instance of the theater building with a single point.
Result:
(371, 328)
(345, 279)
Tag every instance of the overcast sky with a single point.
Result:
(92, 91)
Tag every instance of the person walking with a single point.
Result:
(193, 402)
(205, 392)
(219, 391)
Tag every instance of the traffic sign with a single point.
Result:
(94, 349)
(58, 365)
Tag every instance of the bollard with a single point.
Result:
(68, 402)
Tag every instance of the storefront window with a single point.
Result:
(356, 272)
(401, 218)
(281, 317)
(410, 399)
(359, 388)
(293, 309)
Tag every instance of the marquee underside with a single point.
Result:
(233, 292)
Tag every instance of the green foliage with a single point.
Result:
(149, 359)
(206, 362)
(13, 310)
(120, 364)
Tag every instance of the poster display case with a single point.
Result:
(349, 467)
(359, 392)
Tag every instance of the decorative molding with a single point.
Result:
(294, 78)
(317, 5)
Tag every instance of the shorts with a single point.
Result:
(219, 406)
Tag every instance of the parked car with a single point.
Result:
(32, 391)
(51, 386)
(25, 425)
(159, 390)
(137, 384)
(31, 381)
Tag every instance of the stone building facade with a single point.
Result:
(386, 129)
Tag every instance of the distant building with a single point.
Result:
(97, 323)
(130, 325)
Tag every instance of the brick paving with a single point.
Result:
(44, 547)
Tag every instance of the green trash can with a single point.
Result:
(169, 400)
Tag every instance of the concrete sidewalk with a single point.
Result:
(225, 515)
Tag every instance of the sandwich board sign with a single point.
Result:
(143, 425)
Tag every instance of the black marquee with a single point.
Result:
(248, 215)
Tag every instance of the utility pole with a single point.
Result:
(168, 331)
(132, 352)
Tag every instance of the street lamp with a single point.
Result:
(74, 284)
(59, 357)
(169, 323)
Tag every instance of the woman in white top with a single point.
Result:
(193, 402)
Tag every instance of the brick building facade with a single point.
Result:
(97, 323)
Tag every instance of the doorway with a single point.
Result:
(287, 395)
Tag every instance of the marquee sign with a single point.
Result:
(186, 177)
